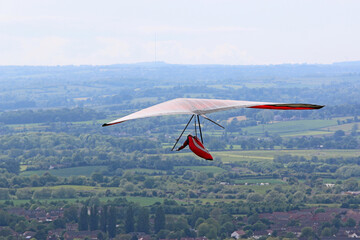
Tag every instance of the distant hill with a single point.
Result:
(86, 85)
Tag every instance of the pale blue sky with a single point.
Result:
(48, 32)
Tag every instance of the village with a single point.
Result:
(292, 224)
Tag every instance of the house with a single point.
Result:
(322, 217)
(237, 234)
(198, 238)
(54, 214)
(353, 193)
(354, 214)
(28, 234)
(353, 235)
(144, 237)
(38, 214)
(70, 235)
(17, 211)
(295, 230)
(72, 227)
(329, 185)
(224, 183)
(259, 234)
(55, 234)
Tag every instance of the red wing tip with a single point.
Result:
(109, 124)
(291, 106)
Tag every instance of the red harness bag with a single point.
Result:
(198, 148)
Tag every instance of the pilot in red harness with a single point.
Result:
(197, 147)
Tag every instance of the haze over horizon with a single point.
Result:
(230, 32)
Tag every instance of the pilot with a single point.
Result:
(186, 142)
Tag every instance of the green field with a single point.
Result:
(206, 169)
(145, 170)
(145, 100)
(262, 180)
(268, 155)
(75, 187)
(291, 127)
(142, 201)
(67, 172)
(307, 133)
(345, 127)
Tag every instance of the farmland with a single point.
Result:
(54, 154)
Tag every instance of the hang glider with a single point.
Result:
(201, 107)
(192, 106)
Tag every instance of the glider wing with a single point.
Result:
(204, 106)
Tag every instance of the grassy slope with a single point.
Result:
(67, 172)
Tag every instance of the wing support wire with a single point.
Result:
(200, 129)
(177, 140)
(198, 123)
(212, 121)
(195, 127)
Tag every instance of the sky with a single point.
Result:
(235, 32)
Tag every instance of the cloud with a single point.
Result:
(53, 50)
(31, 51)
(192, 30)
(26, 19)
(180, 53)
(113, 47)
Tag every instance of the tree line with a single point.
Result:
(50, 115)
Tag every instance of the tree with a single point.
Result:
(254, 197)
(253, 218)
(4, 194)
(203, 229)
(143, 221)
(24, 194)
(103, 219)
(112, 222)
(97, 177)
(227, 228)
(129, 220)
(71, 214)
(94, 219)
(276, 199)
(159, 219)
(351, 185)
(149, 183)
(308, 232)
(326, 232)
(350, 222)
(60, 223)
(338, 134)
(265, 116)
(258, 226)
(354, 130)
(83, 219)
(21, 226)
(41, 234)
(10, 165)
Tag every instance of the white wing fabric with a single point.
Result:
(204, 106)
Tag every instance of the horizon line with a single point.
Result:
(184, 64)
